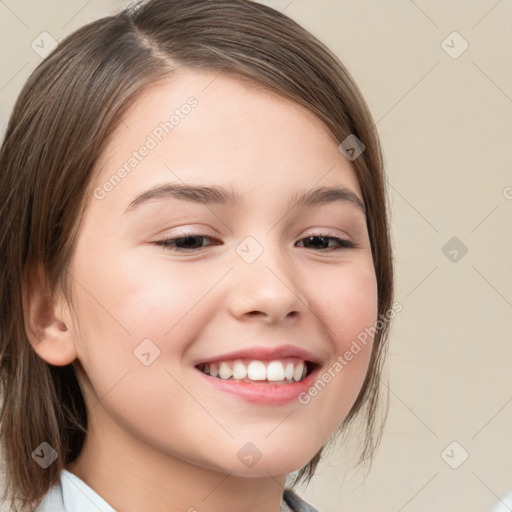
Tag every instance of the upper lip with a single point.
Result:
(263, 354)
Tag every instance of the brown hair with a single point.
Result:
(64, 114)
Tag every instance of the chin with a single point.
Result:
(252, 462)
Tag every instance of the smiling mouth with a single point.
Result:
(279, 371)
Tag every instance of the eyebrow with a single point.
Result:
(215, 194)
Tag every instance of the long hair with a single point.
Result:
(62, 118)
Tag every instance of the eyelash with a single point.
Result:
(170, 243)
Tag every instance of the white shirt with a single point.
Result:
(73, 495)
(505, 505)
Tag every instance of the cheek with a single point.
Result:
(132, 307)
(165, 302)
(349, 305)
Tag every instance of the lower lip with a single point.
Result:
(263, 394)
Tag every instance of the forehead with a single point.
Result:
(206, 127)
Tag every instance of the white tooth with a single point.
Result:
(288, 372)
(206, 369)
(225, 371)
(257, 371)
(297, 374)
(275, 371)
(214, 370)
(239, 370)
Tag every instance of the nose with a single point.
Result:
(266, 290)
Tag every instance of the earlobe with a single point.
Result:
(45, 324)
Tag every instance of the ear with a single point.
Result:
(47, 324)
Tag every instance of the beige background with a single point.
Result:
(446, 129)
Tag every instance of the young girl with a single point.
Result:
(196, 272)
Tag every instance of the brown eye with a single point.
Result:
(320, 242)
(186, 243)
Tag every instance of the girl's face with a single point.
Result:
(261, 285)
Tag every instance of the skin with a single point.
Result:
(160, 438)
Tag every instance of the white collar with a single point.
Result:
(73, 495)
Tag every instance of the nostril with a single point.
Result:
(254, 313)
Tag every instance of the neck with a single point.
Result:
(131, 476)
